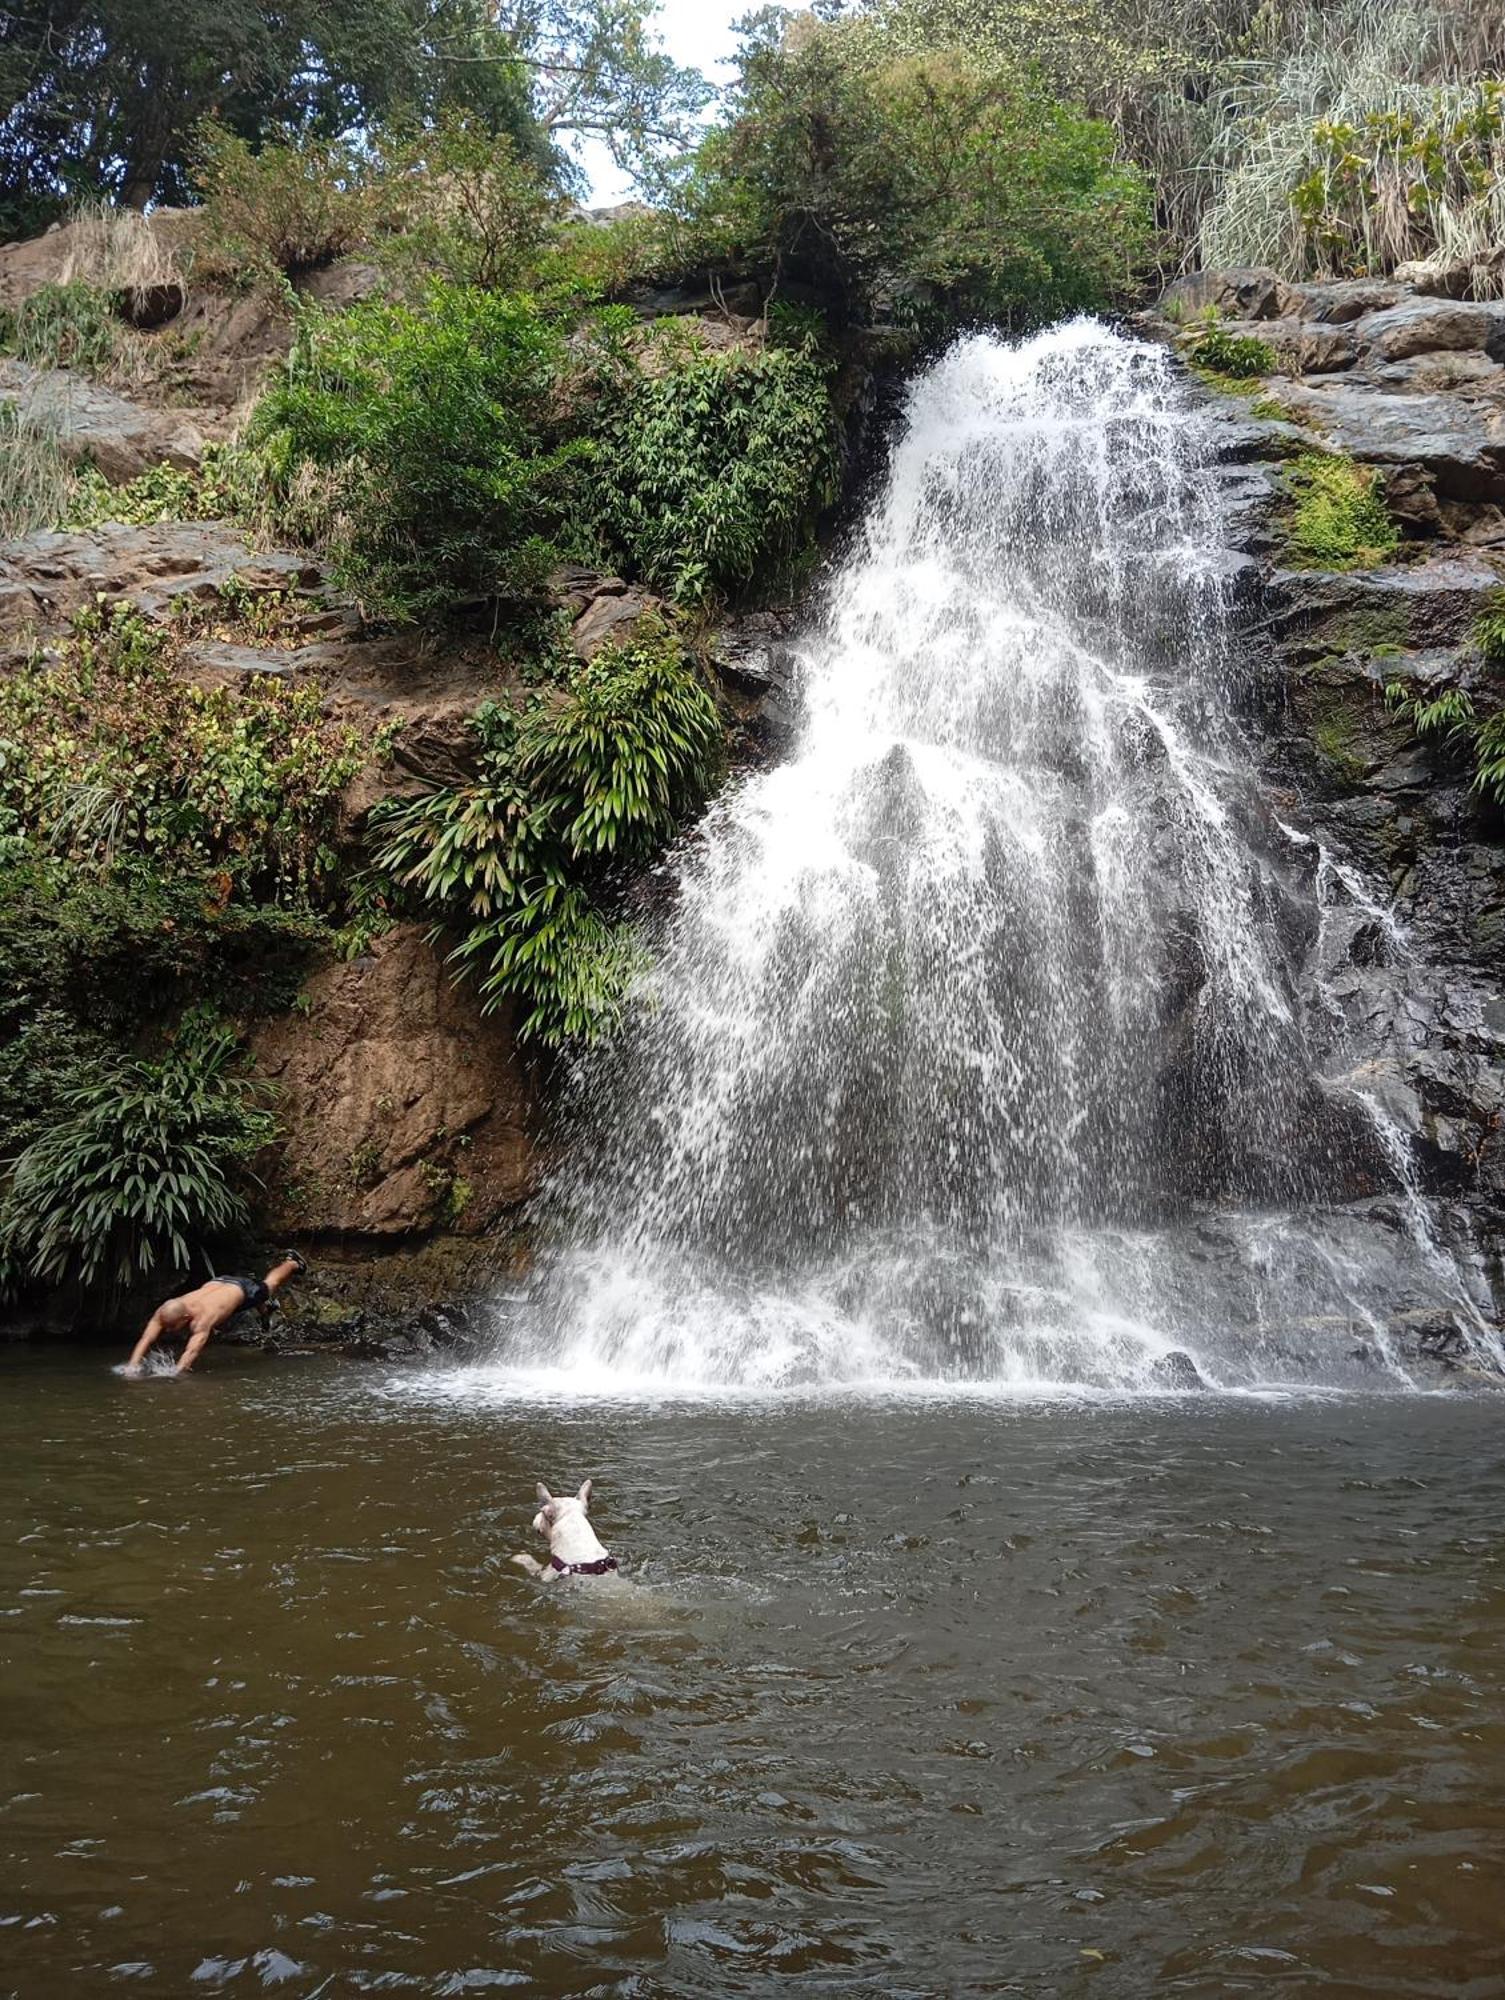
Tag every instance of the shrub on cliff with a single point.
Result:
(589, 779)
(472, 207)
(440, 432)
(937, 186)
(297, 203)
(713, 473)
(137, 1168)
(108, 759)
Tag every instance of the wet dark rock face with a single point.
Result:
(1412, 987)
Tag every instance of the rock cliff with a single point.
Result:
(1385, 834)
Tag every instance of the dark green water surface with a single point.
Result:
(1196, 1697)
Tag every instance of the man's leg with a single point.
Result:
(290, 1266)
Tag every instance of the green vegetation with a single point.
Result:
(1362, 136)
(438, 428)
(108, 758)
(1236, 357)
(167, 853)
(37, 483)
(136, 1168)
(1338, 519)
(286, 209)
(714, 472)
(467, 206)
(105, 98)
(579, 786)
(64, 326)
(937, 187)
(1489, 630)
(1449, 716)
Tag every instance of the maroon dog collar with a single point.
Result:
(583, 1569)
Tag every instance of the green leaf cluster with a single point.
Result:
(714, 472)
(1450, 717)
(576, 789)
(1240, 357)
(935, 187)
(1338, 519)
(107, 755)
(138, 1165)
(64, 326)
(439, 429)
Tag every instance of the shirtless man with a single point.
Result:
(202, 1313)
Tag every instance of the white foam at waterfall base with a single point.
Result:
(967, 1056)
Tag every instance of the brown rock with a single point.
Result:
(94, 425)
(403, 1108)
(1252, 293)
(609, 619)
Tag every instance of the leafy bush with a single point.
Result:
(1338, 518)
(524, 860)
(1449, 718)
(1359, 136)
(439, 431)
(585, 259)
(231, 483)
(475, 208)
(940, 186)
(1407, 181)
(1489, 630)
(716, 471)
(139, 1166)
(106, 756)
(1239, 356)
(298, 203)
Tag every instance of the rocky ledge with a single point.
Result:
(1384, 834)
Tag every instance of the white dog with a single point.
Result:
(574, 1549)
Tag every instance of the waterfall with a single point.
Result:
(972, 1051)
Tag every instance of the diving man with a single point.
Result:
(203, 1312)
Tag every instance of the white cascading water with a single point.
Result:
(969, 1053)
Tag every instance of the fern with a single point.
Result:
(139, 1169)
(523, 861)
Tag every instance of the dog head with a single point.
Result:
(553, 1513)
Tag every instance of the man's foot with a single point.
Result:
(293, 1257)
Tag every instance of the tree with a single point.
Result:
(599, 73)
(101, 96)
(942, 186)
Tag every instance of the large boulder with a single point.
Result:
(95, 426)
(1460, 444)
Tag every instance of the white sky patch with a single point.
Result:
(696, 32)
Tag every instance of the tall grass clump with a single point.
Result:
(1364, 137)
(38, 486)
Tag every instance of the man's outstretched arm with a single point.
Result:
(151, 1334)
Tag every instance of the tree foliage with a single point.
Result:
(440, 430)
(102, 96)
(937, 185)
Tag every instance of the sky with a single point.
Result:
(696, 32)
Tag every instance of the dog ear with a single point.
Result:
(543, 1491)
(584, 1494)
